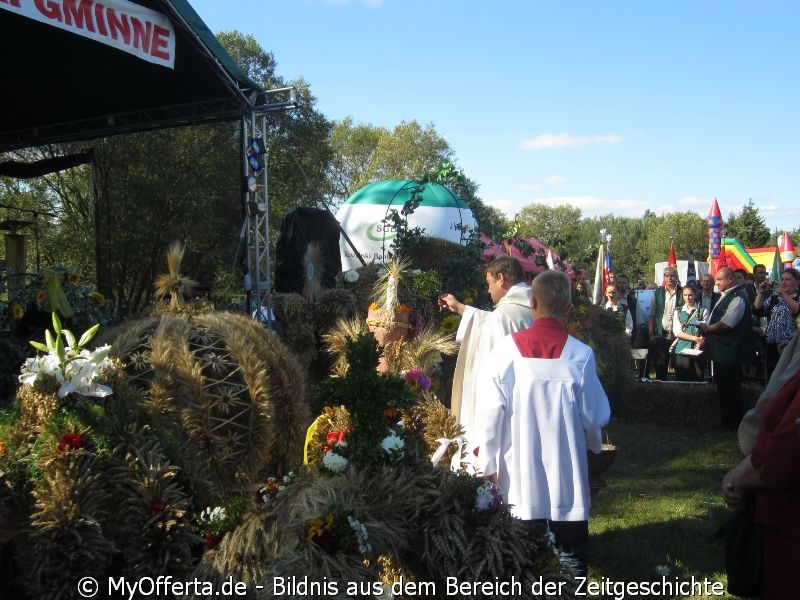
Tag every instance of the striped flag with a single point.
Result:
(550, 264)
(600, 276)
(691, 274)
(777, 268)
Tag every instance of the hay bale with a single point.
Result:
(675, 403)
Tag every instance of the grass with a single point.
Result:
(661, 504)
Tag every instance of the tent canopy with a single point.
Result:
(59, 86)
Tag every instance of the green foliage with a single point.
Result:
(426, 284)
(553, 226)
(749, 228)
(12, 355)
(366, 153)
(367, 395)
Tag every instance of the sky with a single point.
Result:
(615, 107)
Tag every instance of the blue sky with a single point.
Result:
(615, 107)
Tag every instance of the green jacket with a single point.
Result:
(660, 296)
(736, 345)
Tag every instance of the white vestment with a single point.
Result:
(536, 415)
(479, 331)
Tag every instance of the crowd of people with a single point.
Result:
(722, 329)
(532, 406)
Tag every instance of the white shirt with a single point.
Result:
(535, 417)
(735, 311)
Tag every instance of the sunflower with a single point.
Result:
(74, 278)
(449, 324)
(40, 296)
(17, 311)
(99, 298)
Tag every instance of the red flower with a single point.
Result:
(70, 441)
(335, 437)
(157, 507)
(209, 541)
(327, 541)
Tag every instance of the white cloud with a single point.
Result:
(554, 180)
(549, 141)
(527, 187)
(696, 203)
(507, 207)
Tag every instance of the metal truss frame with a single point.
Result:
(258, 279)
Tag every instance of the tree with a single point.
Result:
(749, 227)
(553, 226)
(181, 184)
(62, 208)
(352, 147)
(366, 153)
(688, 232)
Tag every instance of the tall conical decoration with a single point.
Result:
(714, 236)
(672, 261)
(786, 248)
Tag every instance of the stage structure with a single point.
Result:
(255, 153)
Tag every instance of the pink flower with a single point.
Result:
(417, 379)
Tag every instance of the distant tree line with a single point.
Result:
(114, 220)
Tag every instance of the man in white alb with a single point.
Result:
(479, 331)
(542, 407)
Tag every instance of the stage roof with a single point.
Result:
(60, 86)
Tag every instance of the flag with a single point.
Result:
(600, 276)
(691, 274)
(550, 264)
(777, 267)
(671, 261)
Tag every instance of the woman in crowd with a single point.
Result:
(688, 367)
(781, 308)
(613, 305)
(771, 472)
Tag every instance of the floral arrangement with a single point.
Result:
(71, 441)
(333, 459)
(214, 523)
(488, 497)
(57, 289)
(418, 381)
(374, 434)
(605, 333)
(338, 532)
(370, 505)
(266, 494)
(75, 368)
(449, 324)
